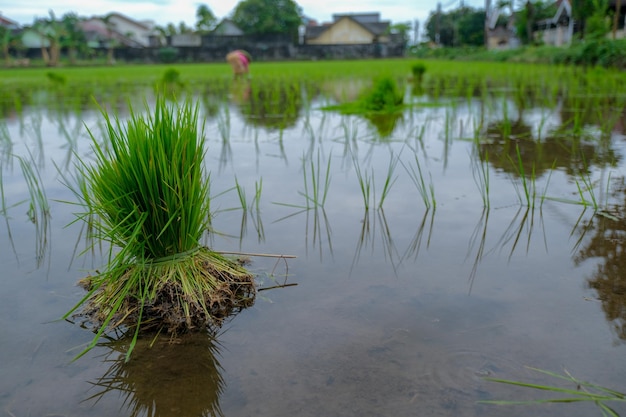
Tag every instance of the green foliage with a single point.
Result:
(381, 105)
(147, 193)
(462, 26)
(168, 54)
(72, 36)
(601, 52)
(418, 69)
(402, 30)
(148, 186)
(206, 20)
(8, 39)
(581, 10)
(471, 26)
(529, 15)
(385, 96)
(262, 17)
(171, 76)
(170, 83)
(598, 24)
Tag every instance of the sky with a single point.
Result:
(163, 12)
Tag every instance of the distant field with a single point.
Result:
(196, 72)
(465, 77)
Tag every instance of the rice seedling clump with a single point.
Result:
(384, 96)
(147, 194)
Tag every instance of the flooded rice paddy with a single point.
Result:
(469, 236)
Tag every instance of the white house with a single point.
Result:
(559, 29)
(126, 30)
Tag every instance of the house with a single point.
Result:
(8, 23)
(500, 30)
(227, 28)
(559, 29)
(124, 30)
(31, 39)
(351, 28)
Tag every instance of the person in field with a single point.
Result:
(239, 60)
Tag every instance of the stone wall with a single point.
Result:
(274, 48)
(268, 48)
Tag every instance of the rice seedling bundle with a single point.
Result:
(147, 193)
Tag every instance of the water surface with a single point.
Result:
(399, 309)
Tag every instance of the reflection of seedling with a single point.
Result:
(480, 170)
(253, 209)
(529, 185)
(418, 69)
(315, 188)
(427, 192)
(369, 224)
(38, 207)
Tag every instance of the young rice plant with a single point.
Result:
(147, 194)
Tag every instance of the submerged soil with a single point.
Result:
(172, 309)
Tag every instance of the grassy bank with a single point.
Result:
(596, 52)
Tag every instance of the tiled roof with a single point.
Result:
(374, 27)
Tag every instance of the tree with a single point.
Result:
(206, 20)
(581, 10)
(73, 36)
(440, 28)
(598, 25)
(260, 17)
(459, 27)
(402, 30)
(525, 21)
(170, 29)
(471, 27)
(183, 28)
(7, 39)
(50, 31)
(112, 41)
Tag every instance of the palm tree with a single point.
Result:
(111, 42)
(206, 20)
(7, 39)
(73, 35)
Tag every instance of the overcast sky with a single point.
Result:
(163, 12)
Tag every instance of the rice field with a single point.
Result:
(471, 234)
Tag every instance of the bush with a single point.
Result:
(171, 76)
(418, 69)
(384, 96)
(167, 55)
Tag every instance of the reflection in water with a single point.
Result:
(317, 228)
(609, 279)
(478, 240)
(272, 105)
(521, 227)
(519, 231)
(38, 208)
(385, 123)
(415, 245)
(368, 235)
(343, 90)
(540, 157)
(181, 378)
